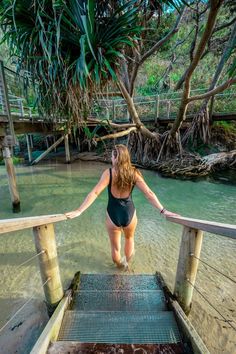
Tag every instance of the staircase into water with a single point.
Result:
(119, 314)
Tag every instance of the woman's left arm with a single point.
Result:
(100, 186)
(151, 196)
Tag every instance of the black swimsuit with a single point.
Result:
(120, 210)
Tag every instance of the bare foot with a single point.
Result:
(123, 264)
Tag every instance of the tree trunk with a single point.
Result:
(214, 8)
(133, 112)
(144, 151)
(174, 132)
(200, 127)
(142, 58)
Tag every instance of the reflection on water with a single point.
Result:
(227, 176)
(83, 243)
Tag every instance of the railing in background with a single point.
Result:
(16, 88)
(162, 106)
(19, 108)
(189, 255)
(154, 107)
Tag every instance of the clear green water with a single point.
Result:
(83, 244)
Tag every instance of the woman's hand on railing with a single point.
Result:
(73, 214)
(169, 213)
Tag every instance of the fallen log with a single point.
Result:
(194, 166)
(189, 166)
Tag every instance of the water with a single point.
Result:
(83, 244)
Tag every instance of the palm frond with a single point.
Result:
(72, 46)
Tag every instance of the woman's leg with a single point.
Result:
(129, 237)
(114, 233)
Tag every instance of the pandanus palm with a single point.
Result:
(72, 46)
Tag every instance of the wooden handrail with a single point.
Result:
(45, 240)
(227, 230)
(189, 254)
(9, 225)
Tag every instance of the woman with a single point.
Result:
(121, 213)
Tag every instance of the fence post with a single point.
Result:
(78, 144)
(5, 102)
(113, 110)
(157, 108)
(48, 262)
(21, 108)
(67, 149)
(29, 147)
(54, 140)
(107, 111)
(46, 141)
(168, 108)
(31, 140)
(187, 266)
(11, 176)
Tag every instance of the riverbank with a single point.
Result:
(220, 166)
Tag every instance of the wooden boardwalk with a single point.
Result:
(18, 116)
(26, 125)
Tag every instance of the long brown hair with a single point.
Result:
(125, 172)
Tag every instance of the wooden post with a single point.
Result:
(45, 241)
(47, 143)
(21, 108)
(113, 110)
(31, 140)
(78, 144)
(187, 266)
(29, 147)
(168, 108)
(107, 112)
(54, 140)
(48, 150)
(157, 108)
(5, 102)
(11, 175)
(67, 149)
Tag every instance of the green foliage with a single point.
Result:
(69, 46)
(72, 47)
(16, 160)
(169, 64)
(151, 80)
(229, 127)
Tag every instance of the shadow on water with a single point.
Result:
(226, 177)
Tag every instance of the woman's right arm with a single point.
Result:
(100, 186)
(151, 196)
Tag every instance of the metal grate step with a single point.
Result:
(93, 300)
(118, 282)
(119, 327)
